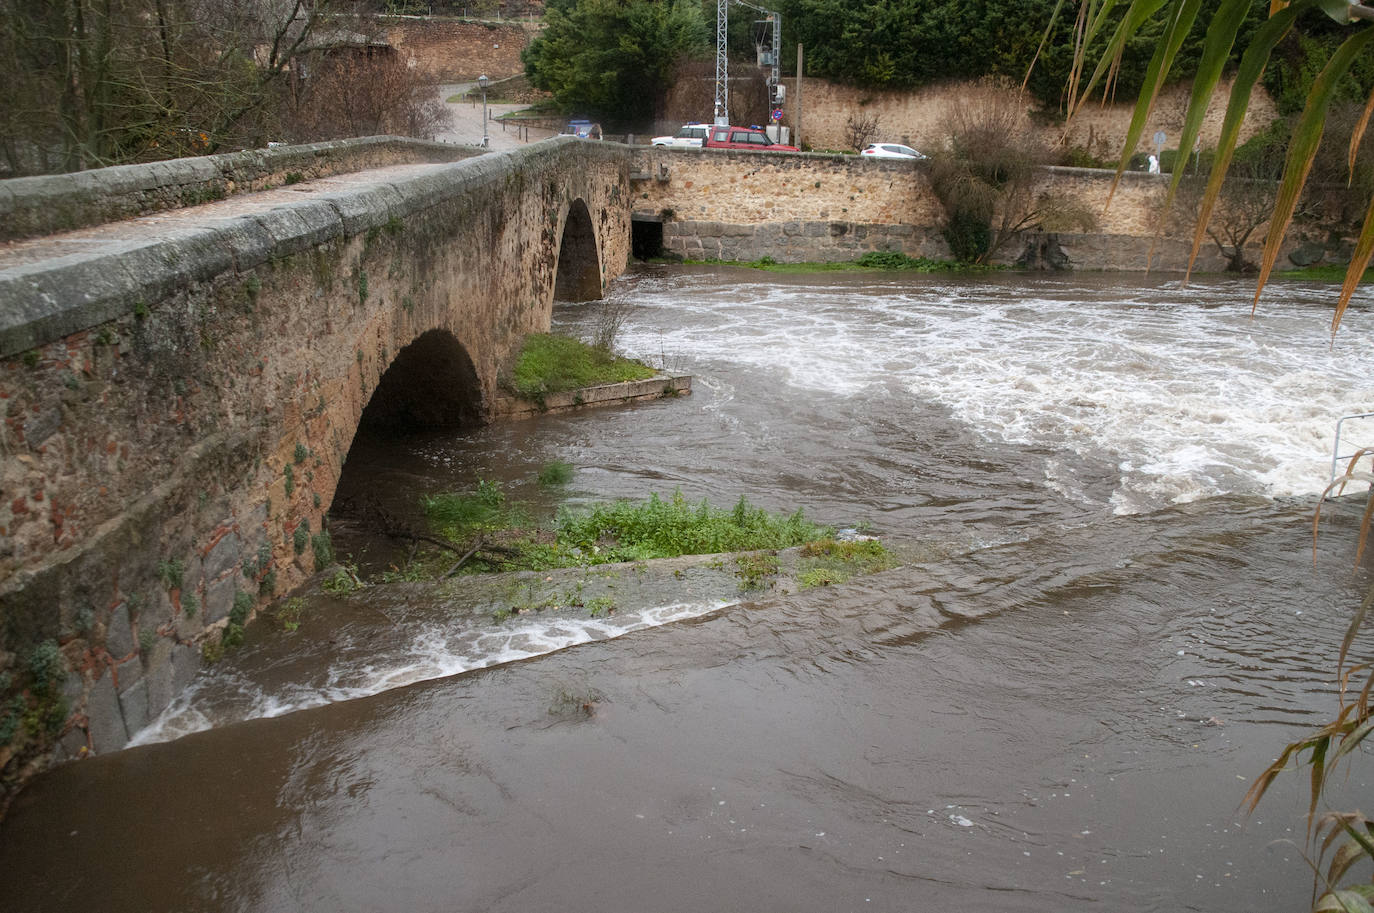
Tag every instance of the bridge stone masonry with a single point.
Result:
(180, 390)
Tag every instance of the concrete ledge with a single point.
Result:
(631, 391)
(42, 205)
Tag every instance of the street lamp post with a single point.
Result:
(482, 81)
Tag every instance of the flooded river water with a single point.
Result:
(1062, 713)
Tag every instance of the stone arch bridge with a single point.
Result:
(180, 389)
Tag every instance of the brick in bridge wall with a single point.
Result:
(456, 50)
(160, 458)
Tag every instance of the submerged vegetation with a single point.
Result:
(828, 562)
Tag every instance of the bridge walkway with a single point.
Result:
(141, 230)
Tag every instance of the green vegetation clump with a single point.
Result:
(556, 473)
(826, 562)
(342, 581)
(626, 531)
(323, 546)
(606, 532)
(552, 363)
(288, 614)
(45, 667)
(754, 570)
(457, 516)
(232, 635)
(172, 573)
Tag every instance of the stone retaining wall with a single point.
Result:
(46, 204)
(460, 50)
(798, 207)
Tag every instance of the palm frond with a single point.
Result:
(1180, 18)
(1359, 262)
(1357, 135)
(1221, 37)
(1252, 64)
(1138, 14)
(1302, 148)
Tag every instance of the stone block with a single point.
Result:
(119, 633)
(159, 681)
(248, 242)
(45, 301)
(105, 719)
(300, 226)
(133, 703)
(369, 207)
(224, 555)
(42, 425)
(185, 663)
(172, 263)
(219, 598)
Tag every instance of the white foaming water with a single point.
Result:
(1191, 394)
(431, 650)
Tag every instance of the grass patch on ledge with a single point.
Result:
(827, 562)
(553, 363)
(873, 260)
(610, 532)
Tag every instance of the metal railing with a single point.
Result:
(1336, 455)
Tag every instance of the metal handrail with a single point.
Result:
(1336, 455)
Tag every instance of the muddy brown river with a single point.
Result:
(1061, 714)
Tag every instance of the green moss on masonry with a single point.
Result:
(323, 547)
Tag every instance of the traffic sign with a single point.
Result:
(777, 114)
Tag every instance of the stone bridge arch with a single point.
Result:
(579, 267)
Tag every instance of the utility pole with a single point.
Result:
(776, 93)
(796, 118)
(722, 113)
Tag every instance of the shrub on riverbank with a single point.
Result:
(552, 363)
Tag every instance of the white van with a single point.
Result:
(689, 135)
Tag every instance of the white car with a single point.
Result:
(690, 135)
(890, 151)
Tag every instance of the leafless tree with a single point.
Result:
(986, 179)
(859, 129)
(99, 82)
(361, 91)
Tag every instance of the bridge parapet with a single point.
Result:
(61, 202)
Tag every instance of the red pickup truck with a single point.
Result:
(743, 138)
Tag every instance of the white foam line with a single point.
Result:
(433, 653)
